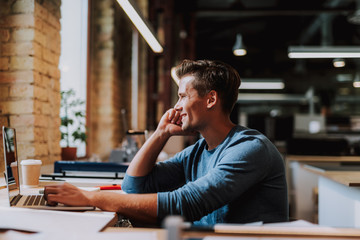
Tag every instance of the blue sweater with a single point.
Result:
(242, 180)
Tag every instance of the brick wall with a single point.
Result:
(110, 76)
(29, 76)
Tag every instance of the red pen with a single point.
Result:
(110, 187)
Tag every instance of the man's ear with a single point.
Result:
(212, 98)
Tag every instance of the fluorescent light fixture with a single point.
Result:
(239, 48)
(248, 83)
(323, 52)
(356, 83)
(338, 62)
(173, 75)
(141, 24)
(262, 84)
(273, 97)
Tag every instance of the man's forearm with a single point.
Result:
(144, 160)
(146, 157)
(138, 207)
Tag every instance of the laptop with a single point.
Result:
(12, 179)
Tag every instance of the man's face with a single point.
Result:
(191, 106)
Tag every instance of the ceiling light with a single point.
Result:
(141, 24)
(356, 82)
(174, 76)
(324, 52)
(262, 84)
(239, 48)
(338, 62)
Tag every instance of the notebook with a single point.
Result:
(12, 179)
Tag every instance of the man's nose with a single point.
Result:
(177, 106)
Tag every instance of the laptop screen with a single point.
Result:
(11, 178)
(11, 172)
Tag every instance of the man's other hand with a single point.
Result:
(66, 194)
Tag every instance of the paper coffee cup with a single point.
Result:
(14, 170)
(30, 170)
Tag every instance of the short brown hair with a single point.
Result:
(213, 75)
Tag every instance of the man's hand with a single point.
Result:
(145, 159)
(171, 123)
(140, 207)
(66, 194)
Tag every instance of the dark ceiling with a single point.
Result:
(268, 28)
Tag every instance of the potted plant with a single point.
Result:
(72, 123)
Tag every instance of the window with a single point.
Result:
(73, 58)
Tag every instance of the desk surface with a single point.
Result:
(309, 158)
(161, 234)
(347, 178)
(257, 232)
(247, 232)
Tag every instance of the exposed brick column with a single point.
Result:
(143, 76)
(102, 75)
(110, 77)
(30, 77)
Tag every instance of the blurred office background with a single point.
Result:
(306, 105)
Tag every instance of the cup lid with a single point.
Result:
(31, 162)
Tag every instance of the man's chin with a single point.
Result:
(185, 127)
(188, 128)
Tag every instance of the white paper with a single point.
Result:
(14, 235)
(297, 223)
(36, 220)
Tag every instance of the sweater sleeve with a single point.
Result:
(165, 176)
(241, 166)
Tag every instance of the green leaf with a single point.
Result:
(72, 116)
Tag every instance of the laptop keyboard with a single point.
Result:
(31, 200)
(35, 200)
(15, 200)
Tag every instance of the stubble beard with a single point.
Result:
(185, 126)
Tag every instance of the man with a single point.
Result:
(231, 175)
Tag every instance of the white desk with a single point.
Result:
(339, 197)
(245, 232)
(302, 183)
(48, 220)
(266, 232)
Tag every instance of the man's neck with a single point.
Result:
(216, 132)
